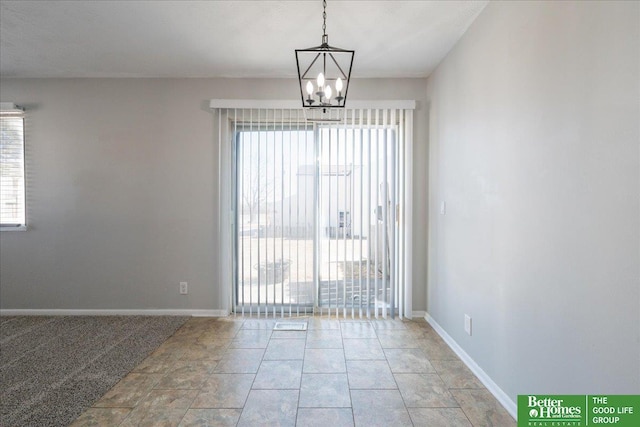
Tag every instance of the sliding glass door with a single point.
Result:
(316, 214)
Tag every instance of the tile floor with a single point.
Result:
(235, 371)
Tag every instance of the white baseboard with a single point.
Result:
(142, 312)
(498, 393)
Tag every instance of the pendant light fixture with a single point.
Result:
(324, 72)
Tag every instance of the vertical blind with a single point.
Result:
(12, 175)
(273, 203)
(319, 211)
(360, 235)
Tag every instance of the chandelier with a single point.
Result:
(324, 72)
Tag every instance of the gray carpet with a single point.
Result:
(53, 368)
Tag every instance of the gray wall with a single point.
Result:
(122, 190)
(534, 146)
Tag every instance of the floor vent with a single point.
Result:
(290, 326)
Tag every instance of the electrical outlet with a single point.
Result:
(443, 208)
(184, 288)
(467, 324)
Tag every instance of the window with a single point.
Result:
(12, 175)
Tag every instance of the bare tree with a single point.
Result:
(256, 192)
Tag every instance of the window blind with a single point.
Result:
(320, 210)
(12, 170)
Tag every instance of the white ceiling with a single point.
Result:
(229, 38)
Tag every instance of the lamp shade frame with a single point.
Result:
(324, 53)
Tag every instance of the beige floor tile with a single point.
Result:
(300, 335)
(408, 361)
(173, 399)
(101, 417)
(196, 326)
(240, 361)
(205, 351)
(227, 323)
(224, 391)
(156, 364)
(324, 338)
(270, 408)
(172, 348)
(419, 327)
(254, 334)
(424, 391)
(251, 338)
(324, 333)
(399, 339)
(285, 349)
(218, 334)
(362, 349)
(159, 417)
(279, 374)
(379, 408)
(324, 390)
(388, 324)
(436, 349)
(482, 409)
(214, 343)
(233, 319)
(187, 374)
(129, 391)
(211, 417)
(335, 342)
(438, 417)
(188, 333)
(162, 407)
(323, 417)
(191, 333)
(357, 330)
(324, 361)
(370, 374)
(455, 374)
(323, 323)
(266, 324)
(221, 330)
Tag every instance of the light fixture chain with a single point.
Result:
(324, 17)
(329, 90)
